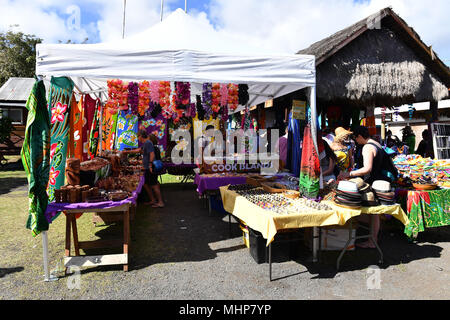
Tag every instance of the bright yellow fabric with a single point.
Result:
(269, 223)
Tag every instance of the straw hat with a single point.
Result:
(341, 133)
(381, 186)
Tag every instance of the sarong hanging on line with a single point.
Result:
(35, 155)
(309, 183)
(88, 111)
(94, 134)
(59, 100)
(127, 129)
(76, 127)
(109, 124)
(157, 126)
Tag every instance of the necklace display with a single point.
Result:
(277, 203)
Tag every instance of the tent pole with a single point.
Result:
(47, 276)
(123, 23)
(162, 8)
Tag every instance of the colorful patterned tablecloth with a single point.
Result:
(426, 209)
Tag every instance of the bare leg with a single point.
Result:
(159, 201)
(375, 230)
(150, 194)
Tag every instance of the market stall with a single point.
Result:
(173, 57)
(271, 211)
(423, 189)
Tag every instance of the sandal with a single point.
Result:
(366, 245)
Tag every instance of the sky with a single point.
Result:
(288, 25)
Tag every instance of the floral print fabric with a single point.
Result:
(59, 99)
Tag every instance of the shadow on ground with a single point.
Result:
(6, 271)
(181, 231)
(7, 184)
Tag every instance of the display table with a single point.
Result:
(215, 181)
(74, 210)
(426, 209)
(269, 223)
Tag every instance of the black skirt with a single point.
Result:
(150, 178)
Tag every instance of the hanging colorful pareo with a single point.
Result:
(158, 127)
(59, 99)
(309, 182)
(233, 96)
(127, 128)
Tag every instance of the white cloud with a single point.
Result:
(288, 25)
(46, 19)
(293, 25)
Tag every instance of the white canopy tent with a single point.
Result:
(180, 48)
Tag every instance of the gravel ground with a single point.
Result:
(183, 252)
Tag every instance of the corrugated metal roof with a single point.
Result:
(16, 89)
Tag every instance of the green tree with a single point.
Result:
(17, 55)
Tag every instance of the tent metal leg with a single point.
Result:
(47, 276)
(350, 229)
(270, 261)
(315, 243)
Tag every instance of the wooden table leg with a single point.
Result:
(68, 223)
(75, 234)
(126, 235)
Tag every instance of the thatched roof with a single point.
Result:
(378, 61)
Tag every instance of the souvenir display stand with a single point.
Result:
(423, 190)
(290, 213)
(177, 50)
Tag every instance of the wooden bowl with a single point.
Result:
(292, 194)
(424, 186)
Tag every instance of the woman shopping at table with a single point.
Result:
(377, 165)
(150, 152)
(343, 149)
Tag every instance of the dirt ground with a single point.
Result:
(183, 252)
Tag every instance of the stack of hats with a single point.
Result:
(367, 195)
(384, 193)
(347, 195)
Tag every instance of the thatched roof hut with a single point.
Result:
(378, 61)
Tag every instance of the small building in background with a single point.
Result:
(13, 97)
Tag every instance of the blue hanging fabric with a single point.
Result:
(294, 145)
